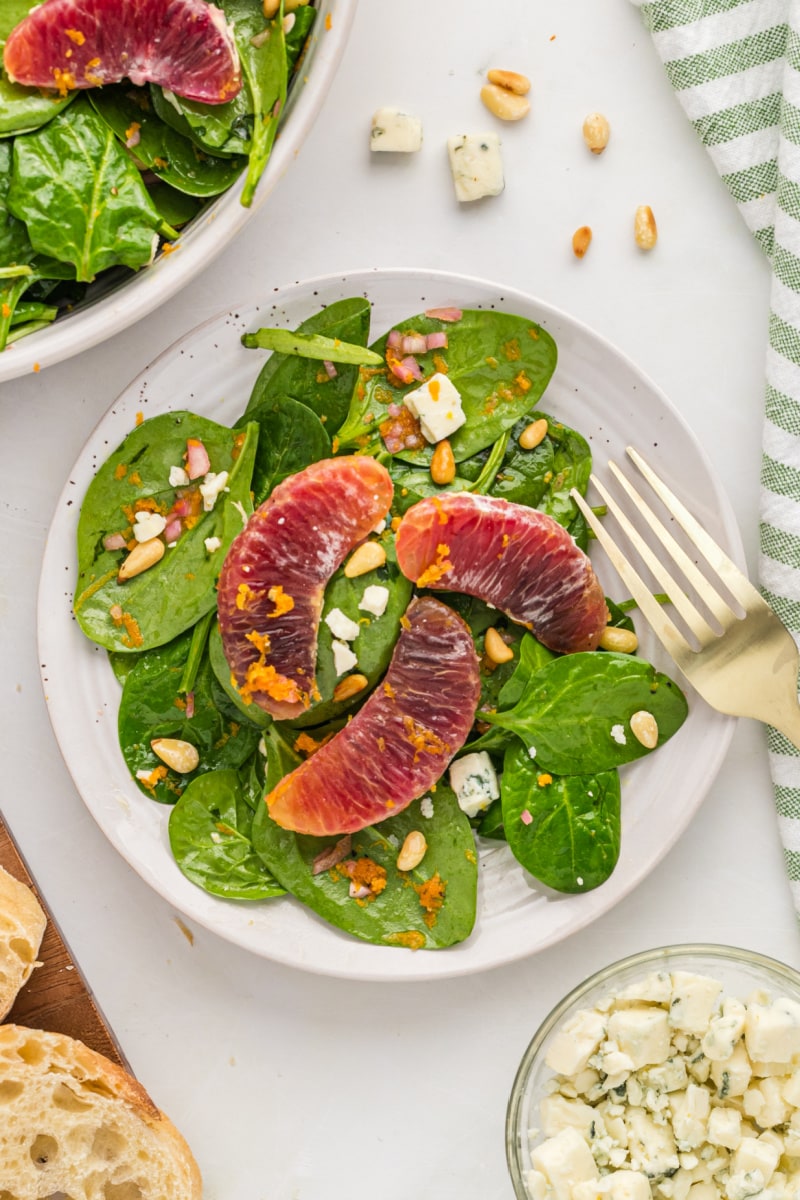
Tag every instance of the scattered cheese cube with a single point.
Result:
(693, 1001)
(474, 781)
(374, 600)
(476, 165)
(564, 1160)
(211, 487)
(148, 525)
(343, 658)
(557, 1113)
(341, 626)
(724, 1127)
(396, 131)
(641, 1033)
(772, 1031)
(732, 1075)
(753, 1154)
(211, 544)
(178, 477)
(575, 1042)
(437, 404)
(652, 1148)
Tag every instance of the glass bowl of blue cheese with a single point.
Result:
(673, 1074)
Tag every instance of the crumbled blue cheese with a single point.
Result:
(374, 600)
(426, 807)
(618, 734)
(341, 626)
(395, 131)
(474, 781)
(178, 477)
(343, 658)
(661, 1119)
(211, 487)
(476, 165)
(212, 544)
(148, 525)
(437, 405)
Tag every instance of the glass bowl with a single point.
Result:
(739, 971)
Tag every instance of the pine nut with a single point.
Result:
(351, 685)
(412, 851)
(645, 729)
(596, 132)
(443, 463)
(533, 434)
(496, 649)
(366, 557)
(508, 106)
(622, 641)
(270, 8)
(510, 81)
(181, 756)
(143, 556)
(580, 241)
(644, 227)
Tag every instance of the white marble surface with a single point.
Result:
(291, 1086)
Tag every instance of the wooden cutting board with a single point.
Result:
(56, 997)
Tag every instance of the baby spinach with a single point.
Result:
(291, 437)
(565, 830)
(81, 196)
(574, 712)
(500, 363)
(304, 380)
(222, 672)
(311, 345)
(209, 835)
(138, 471)
(153, 706)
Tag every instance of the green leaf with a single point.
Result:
(569, 838)
(500, 364)
(291, 437)
(265, 68)
(575, 711)
(80, 195)
(310, 346)
(139, 470)
(209, 834)
(222, 672)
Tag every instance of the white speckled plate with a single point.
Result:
(595, 389)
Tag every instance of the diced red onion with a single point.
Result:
(444, 314)
(393, 443)
(189, 705)
(197, 461)
(437, 341)
(133, 140)
(413, 343)
(359, 893)
(172, 529)
(332, 855)
(394, 410)
(411, 442)
(181, 508)
(330, 369)
(394, 339)
(401, 371)
(525, 817)
(411, 364)
(114, 541)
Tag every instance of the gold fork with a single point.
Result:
(748, 666)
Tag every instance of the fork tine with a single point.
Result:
(664, 628)
(736, 582)
(667, 582)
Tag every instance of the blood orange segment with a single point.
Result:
(400, 742)
(273, 579)
(184, 45)
(516, 558)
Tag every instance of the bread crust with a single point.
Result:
(74, 1122)
(22, 925)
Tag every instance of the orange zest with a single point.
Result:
(283, 602)
(434, 572)
(424, 741)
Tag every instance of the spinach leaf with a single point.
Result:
(574, 712)
(138, 471)
(412, 484)
(396, 916)
(80, 195)
(310, 345)
(174, 207)
(209, 834)
(219, 129)
(532, 657)
(291, 437)
(304, 381)
(570, 836)
(266, 71)
(222, 672)
(500, 363)
(153, 706)
(164, 151)
(295, 39)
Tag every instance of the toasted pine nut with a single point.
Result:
(622, 641)
(351, 685)
(366, 557)
(596, 132)
(496, 649)
(270, 8)
(181, 756)
(443, 464)
(645, 728)
(508, 106)
(412, 851)
(143, 556)
(644, 227)
(510, 81)
(580, 241)
(533, 434)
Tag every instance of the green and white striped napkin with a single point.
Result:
(735, 67)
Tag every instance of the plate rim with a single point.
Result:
(452, 964)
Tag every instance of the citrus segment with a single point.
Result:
(272, 582)
(516, 558)
(399, 744)
(185, 46)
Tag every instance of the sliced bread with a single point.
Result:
(22, 924)
(73, 1122)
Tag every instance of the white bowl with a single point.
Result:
(208, 233)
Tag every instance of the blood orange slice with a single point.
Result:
(273, 579)
(400, 742)
(184, 45)
(516, 558)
